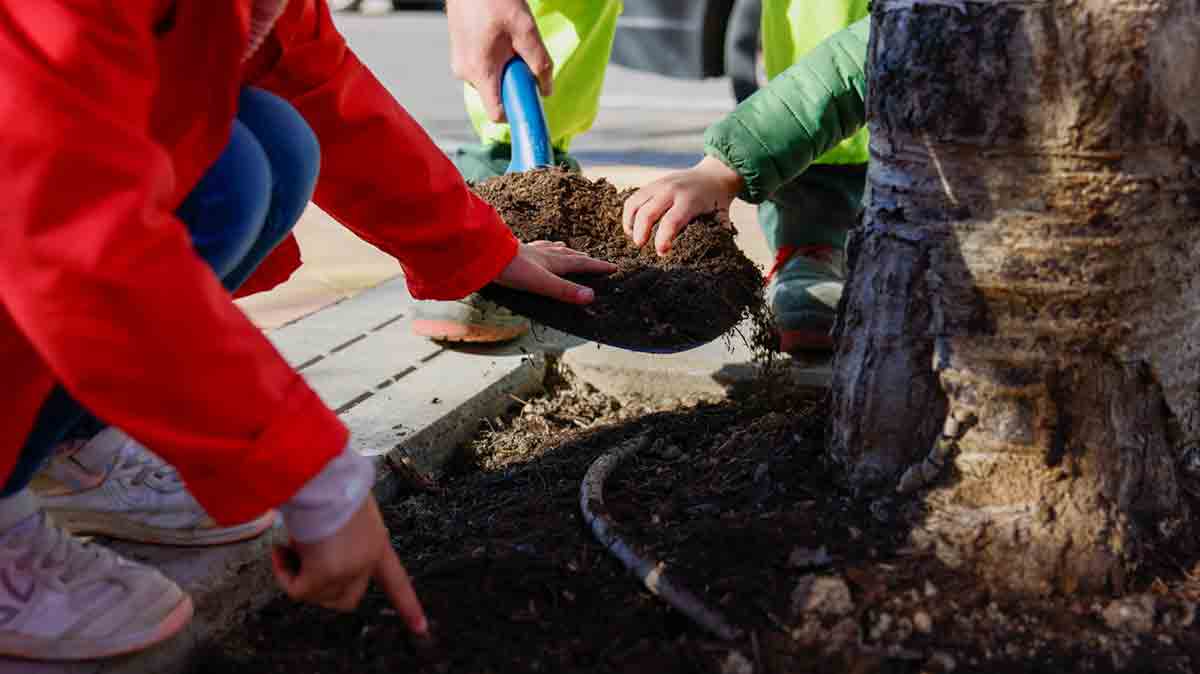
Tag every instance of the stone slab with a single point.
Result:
(368, 361)
(319, 334)
(438, 407)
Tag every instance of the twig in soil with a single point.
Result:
(410, 478)
(651, 572)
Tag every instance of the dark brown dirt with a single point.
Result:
(694, 294)
(736, 498)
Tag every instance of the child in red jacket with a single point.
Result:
(156, 151)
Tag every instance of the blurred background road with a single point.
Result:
(645, 119)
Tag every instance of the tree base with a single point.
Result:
(1065, 480)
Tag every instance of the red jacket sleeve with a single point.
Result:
(101, 278)
(381, 175)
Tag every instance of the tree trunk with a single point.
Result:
(1029, 257)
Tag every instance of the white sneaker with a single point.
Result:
(63, 599)
(112, 486)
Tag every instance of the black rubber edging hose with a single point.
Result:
(651, 572)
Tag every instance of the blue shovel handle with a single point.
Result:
(523, 106)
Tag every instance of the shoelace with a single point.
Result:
(822, 253)
(165, 478)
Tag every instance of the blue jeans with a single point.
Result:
(245, 204)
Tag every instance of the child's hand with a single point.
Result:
(538, 266)
(675, 200)
(334, 572)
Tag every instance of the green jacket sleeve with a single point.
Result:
(775, 135)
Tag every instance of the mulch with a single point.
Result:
(737, 498)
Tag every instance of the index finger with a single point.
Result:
(529, 46)
(541, 281)
(489, 93)
(397, 586)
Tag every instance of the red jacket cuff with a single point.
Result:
(481, 256)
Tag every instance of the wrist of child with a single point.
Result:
(324, 505)
(730, 180)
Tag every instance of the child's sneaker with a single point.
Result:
(63, 599)
(805, 286)
(471, 319)
(112, 486)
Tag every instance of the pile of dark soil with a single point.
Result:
(736, 498)
(694, 294)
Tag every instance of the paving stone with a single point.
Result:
(317, 335)
(358, 366)
(438, 407)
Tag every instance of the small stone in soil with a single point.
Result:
(827, 595)
(1132, 614)
(882, 625)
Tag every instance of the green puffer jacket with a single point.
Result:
(775, 135)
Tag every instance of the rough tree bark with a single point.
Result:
(1030, 255)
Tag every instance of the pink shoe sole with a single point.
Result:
(88, 523)
(84, 649)
(450, 331)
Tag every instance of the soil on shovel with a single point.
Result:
(736, 499)
(694, 294)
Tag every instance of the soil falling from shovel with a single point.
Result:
(696, 293)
